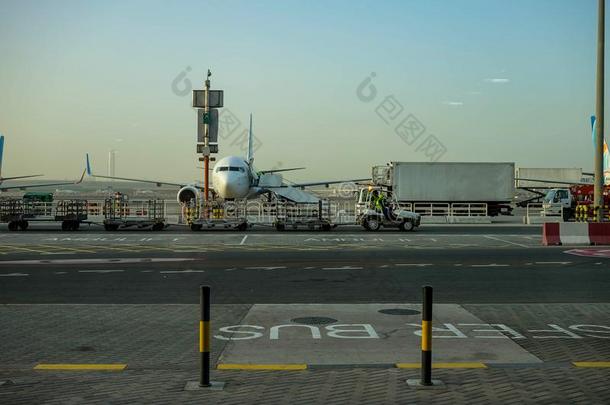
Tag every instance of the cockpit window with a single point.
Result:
(224, 168)
(234, 169)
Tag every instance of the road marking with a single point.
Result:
(26, 249)
(81, 367)
(59, 247)
(266, 268)
(14, 275)
(343, 268)
(146, 271)
(101, 271)
(506, 241)
(489, 265)
(243, 240)
(181, 271)
(291, 367)
(414, 264)
(61, 272)
(96, 261)
(600, 364)
(442, 365)
(552, 262)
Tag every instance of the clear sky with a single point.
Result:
(491, 80)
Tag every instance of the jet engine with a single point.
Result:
(187, 194)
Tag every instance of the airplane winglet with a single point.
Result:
(87, 167)
(1, 152)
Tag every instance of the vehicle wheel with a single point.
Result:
(13, 226)
(406, 226)
(196, 227)
(372, 224)
(326, 227)
(280, 227)
(23, 225)
(242, 227)
(65, 226)
(106, 227)
(158, 226)
(75, 225)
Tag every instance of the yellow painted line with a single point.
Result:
(81, 367)
(290, 367)
(591, 363)
(102, 247)
(26, 249)
(60, 247)
(442, 365)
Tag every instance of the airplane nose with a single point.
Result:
(231, 186)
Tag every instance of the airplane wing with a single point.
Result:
(280, 170)
(157, 182)
(554, 181)
(26, 186)
(326, 183)
(19, 177)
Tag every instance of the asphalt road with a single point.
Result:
(509, 274)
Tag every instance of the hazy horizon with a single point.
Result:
(492, 81)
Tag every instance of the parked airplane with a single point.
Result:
(2, 179)
(606, 162)
(235, 178)
(23, 187)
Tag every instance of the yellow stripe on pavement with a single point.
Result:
(81, 367)
(442, 365)
(291, 367)
(591, 363)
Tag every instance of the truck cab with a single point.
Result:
(558, 200)
(372, 216)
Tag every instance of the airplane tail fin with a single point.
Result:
(606, 151)
(1, 153)
(250, 145)
(88, 166)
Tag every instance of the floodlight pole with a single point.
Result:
(206, 146)
(598, 196)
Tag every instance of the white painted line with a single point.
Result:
(309, 268)
(506, 241)
(266, 268)
(414, 264)
(61, 272)
(231, 269)
(181, 271)
(243, 240)
(101, 271)
(95, 261)
(14, 275)
(458, 264)
(343, 268)
(146, 271)
(489, 265)
(552, 262)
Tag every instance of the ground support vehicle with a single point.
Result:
(217, 214)
(449, 189)
(40, 207)
(391, 214)
(120, 213)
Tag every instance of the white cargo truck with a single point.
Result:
(437, 188)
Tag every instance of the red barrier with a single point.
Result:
(550, 234)
(599, 233)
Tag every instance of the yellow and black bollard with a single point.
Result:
(426, 381)
(204, 336)
(426, 337)
(204, 346)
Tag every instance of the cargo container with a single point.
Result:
(450, 185)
